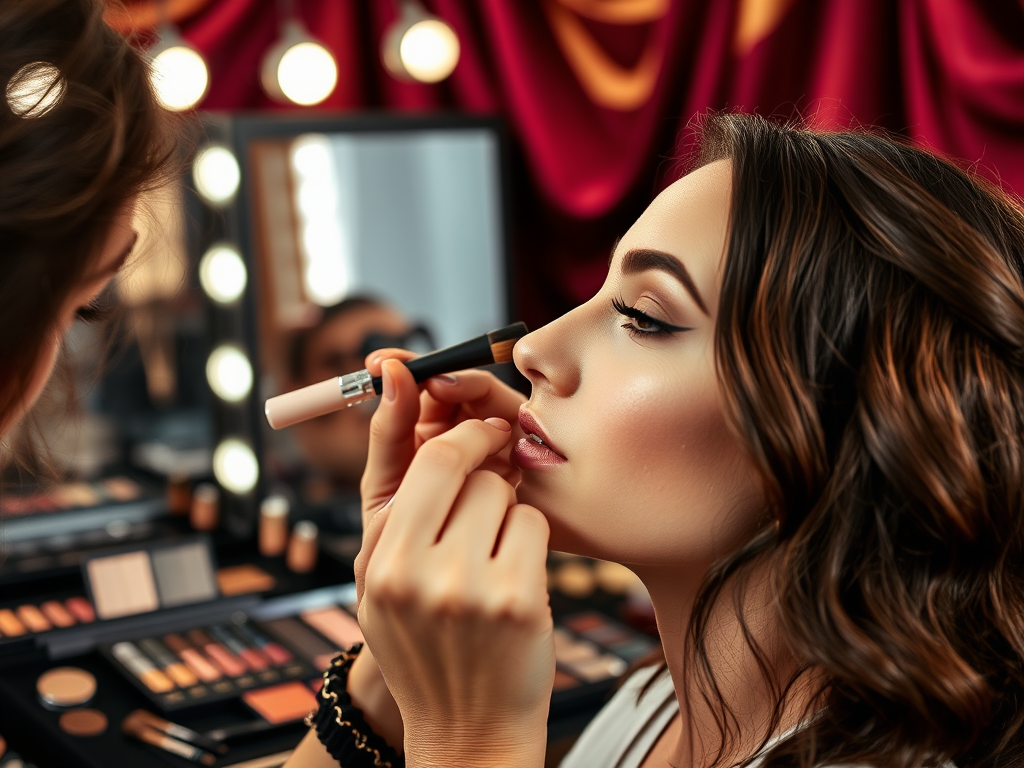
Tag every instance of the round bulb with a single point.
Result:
(229, 373)
(235, 466)
(326, 282)
(307, 73)
(216, 174)
(429, 50)
(35, 89)
(179, 77)
(222, 274)
(311, 154)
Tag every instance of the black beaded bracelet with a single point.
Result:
(340, 725)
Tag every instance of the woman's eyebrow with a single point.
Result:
(641, 260)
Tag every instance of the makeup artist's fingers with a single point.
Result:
(371, 535)
(480, 393)
(392, 437)
(524, 541)
(477, 514)
(436, 476)
(374, 360)
(498, 464)
(435, 418)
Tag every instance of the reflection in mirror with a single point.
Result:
(365, 240)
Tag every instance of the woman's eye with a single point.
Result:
(642, 324)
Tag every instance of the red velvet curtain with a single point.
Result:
(598, 94)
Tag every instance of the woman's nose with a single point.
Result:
(550, 356)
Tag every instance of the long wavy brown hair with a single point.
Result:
(67, 172)
(870, 346)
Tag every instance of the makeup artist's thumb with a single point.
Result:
(392, 435)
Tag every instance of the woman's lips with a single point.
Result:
(535, 450)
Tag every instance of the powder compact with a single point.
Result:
(83, 722)
(65, 687)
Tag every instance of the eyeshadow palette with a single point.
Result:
(141, 580)
(591, 647)
(235, 658)
(69, 496)
(18, 622)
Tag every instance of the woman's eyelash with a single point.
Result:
(660, 328)
(96, 311)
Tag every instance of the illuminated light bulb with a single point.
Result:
(326, 281)
(298, 69)
(35, 89)
(429, 50)
(178, 72)
(235, 466)
(229, 373)
(216, 174)
(310, 155)
(222, 273)
(419, 46)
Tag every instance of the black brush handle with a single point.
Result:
(467, 354)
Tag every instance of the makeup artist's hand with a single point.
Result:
(452, 590)
(443, 403)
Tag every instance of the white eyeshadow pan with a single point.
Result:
(122, 585)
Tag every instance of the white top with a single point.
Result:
(623, 732)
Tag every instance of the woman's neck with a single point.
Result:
(743, 688)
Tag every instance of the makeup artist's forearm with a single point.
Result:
(371, 695)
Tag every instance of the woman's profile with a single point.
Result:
(795, 409)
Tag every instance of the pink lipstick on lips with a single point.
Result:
(535, 450)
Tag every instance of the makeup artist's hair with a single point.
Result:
(870, 346)
(66, 173)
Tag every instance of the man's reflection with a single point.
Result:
(334, 446)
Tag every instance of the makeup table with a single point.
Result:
(233, 653)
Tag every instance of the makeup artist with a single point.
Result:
(795, 409)
(81, 139)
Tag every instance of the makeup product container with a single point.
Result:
(205, 511)
(273, 530)
(303, 547)
(65, 687)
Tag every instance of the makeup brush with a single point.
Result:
(137, 728)
(178, 731)
(354, 388)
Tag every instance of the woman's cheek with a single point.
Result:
(670, 483)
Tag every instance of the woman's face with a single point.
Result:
(105, 265)
(644, 470)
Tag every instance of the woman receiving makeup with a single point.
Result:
(795, 409)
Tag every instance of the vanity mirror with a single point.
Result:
(346, 234)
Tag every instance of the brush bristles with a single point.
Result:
(504, 339)
(132, 724)
(502, 351)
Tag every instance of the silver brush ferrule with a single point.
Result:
(356, 388)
